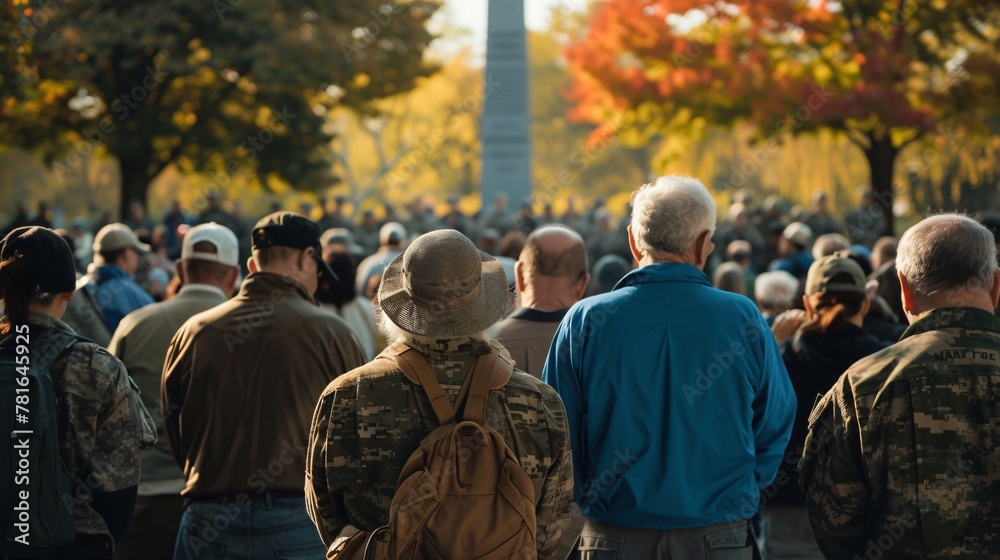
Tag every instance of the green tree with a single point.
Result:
(220, 88)
(884, 73)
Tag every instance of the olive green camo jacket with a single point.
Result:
(369, 421)
(902, 459)
(102, 422)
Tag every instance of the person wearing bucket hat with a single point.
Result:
(443, 298)
(901, 453)
(825, 345)
(101, 421)
(686, 378)
(108, 292)
(257, 362)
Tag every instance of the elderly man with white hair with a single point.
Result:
(903, 453)
(678, 403)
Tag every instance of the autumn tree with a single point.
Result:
(220, 87)
(883, 73)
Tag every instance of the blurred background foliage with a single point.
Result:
(621, 92)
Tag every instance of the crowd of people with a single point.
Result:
(247, 390)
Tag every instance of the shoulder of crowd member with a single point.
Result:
(871, 374)
(88, 369)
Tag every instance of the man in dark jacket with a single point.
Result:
(239, 385)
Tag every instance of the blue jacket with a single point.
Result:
(678, 402)
(797, 265)
(117, 294)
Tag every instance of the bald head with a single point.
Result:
(552, 268)
(554, 251)
(947, 260)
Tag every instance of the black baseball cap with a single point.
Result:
(47, 255)
(288, 229)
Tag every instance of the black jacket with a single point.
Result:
(814, 362)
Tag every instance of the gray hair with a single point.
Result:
(670, 214)
(774, 291)
(828, 244)
(947, 252)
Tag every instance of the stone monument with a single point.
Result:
(506, 122)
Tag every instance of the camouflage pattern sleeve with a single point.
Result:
(107, 422)
(328, 465)
(838, 496)
(553, 512)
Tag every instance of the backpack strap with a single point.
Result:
(417, 370)
(490, 371)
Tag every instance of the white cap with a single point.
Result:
(392, 232)
(798, 233)
(227, 248)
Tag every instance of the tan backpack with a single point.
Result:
(462, 495)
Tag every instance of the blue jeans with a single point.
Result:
(272, 529)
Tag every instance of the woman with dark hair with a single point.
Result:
(101, 421)
(342, 298)
(828, 341)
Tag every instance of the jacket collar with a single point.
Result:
(201, 289)
(954, 317)
(44, 320)
(663, 272)
(262, 285)
(110, 271)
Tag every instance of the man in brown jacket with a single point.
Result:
(551, 276)
(239, 385)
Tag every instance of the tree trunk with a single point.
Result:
(881, 155)
(135, 180)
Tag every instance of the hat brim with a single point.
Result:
(325, 272)
(442, 318)
(141, 247)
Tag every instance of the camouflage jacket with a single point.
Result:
(902, 459)
(369, 421)
(102, 423)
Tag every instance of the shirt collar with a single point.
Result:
(109, 271)
(539, 316)
(263, 284)
(663, 272)
(202, 289)
(446, 348)
(954, 317)
(43, 320)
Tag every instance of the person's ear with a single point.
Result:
(234, 275)
(252, 265)
(633, 246)
(180, 272)
(519, 276)
(995, 290)
(703, 248)
(909, 301)
(810, 310)
(581, 286)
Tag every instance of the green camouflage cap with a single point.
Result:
(824, 271)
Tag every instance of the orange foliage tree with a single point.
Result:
(883, 72)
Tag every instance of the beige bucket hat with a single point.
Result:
(442, 285)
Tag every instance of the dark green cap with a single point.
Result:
(847, 273)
